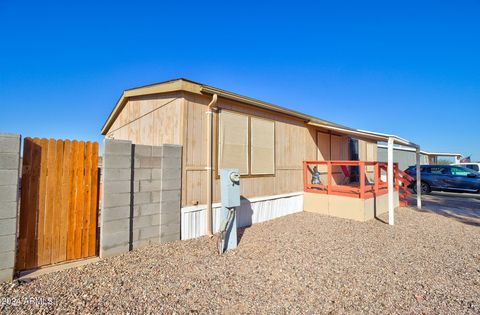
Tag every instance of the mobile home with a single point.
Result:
(220, 129)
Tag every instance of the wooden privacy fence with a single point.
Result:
(59, 197)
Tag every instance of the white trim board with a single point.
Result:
(251, 211)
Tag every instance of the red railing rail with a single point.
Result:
(404, 193)
(357, 180)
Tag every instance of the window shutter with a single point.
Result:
(233, 141)
(262, 146)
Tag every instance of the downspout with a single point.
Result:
(209, 167)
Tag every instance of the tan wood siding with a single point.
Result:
(339, 146)
(367, 151)
(295, 142)
(150, 120)
(323, 146)
(332, 147)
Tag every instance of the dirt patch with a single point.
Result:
(301, 263)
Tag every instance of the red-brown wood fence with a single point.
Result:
(59, 198)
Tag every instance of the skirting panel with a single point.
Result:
(254, 210)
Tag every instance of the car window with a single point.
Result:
(414, 169)
(460, 171)
(438, 170)
(425, 170)
(473, 167)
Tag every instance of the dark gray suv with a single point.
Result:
(446, 178)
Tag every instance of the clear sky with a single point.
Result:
(411, 68)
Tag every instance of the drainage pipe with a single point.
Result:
(209, 166)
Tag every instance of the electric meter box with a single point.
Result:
(230, 187)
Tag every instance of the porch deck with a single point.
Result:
(351, 189)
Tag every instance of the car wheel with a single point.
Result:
(424, 186)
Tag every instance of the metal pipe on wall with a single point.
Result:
(209, 166)
(418, 179)
(390, 179)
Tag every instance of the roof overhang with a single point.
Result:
(197, 88)
(348, 131)
(364, 134)
(396, 139)
(313, 121)
(264, 105)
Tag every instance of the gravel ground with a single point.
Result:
(302, 263)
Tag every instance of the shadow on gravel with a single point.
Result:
(462, 209)
(461, 219)
(381, 220)
(244, 217)
(240, 232)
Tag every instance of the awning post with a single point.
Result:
(418, 178)
(390, 180)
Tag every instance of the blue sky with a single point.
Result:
(410, 68)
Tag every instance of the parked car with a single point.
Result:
(473, 166)
(446, 178)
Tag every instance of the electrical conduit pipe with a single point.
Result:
(209, 167)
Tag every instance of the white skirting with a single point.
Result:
(251, 211)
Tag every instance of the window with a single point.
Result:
(247, 143)
(472, 167)
(413, 169)
(438, 170)
(460, 171)
(353, 149)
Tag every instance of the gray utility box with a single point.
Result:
(230, 197)
(230, 187)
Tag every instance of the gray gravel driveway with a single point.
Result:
(303, 263)
(458, 206)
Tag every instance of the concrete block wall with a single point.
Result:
(170, 192)
(141, 196)
(146, 191)
(116, 200)
(9, 181)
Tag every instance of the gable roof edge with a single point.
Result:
(157, 88)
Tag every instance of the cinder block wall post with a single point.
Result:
(9, 179)
(146, 194)
(116, 202)
(141, 196)
(171, 175)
